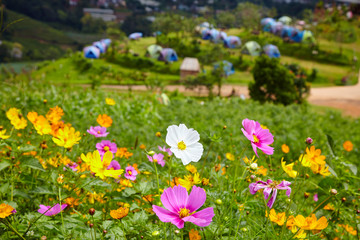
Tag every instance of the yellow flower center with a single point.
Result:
(98, 132)
(155, 160)
(130, 173)
(256, 140)
(106, 148)
(184, 212)
(182, 145)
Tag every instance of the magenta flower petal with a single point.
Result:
(98, 131)
(266, 149)
(164, 215)
(105, 146)
(196, 199)
(114, 165)
(51, 211)
(130, 173)
(272, 199)
(316, 198)
(267, 191)
(202, 218)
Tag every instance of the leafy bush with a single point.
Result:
(273, 82)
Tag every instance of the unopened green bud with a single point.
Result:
(155, 233)
(218, 202)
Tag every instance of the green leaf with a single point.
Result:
(21, 194)
(331, 144)
(33, 163)
(332, 172)
(43, 190)
(352, 167)
(4, 165)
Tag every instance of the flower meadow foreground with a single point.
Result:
(61, 182)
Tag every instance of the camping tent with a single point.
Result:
(106, 41)
(252, 48)
(272, 51)
(189, 67)
(100, 45)
(223, 35)
(308, 37)
(266, 21)
(206, 34)
(227, 67)
(154, 51)
(232, 42)
(91, 52)
(276, 28)
(168, 55)
(285, 20)
(135, 36)
(296, 35)
(269, 26)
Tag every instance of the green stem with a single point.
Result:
(62, 219)
(157, 178)
(207, 154)
(8, 224)
(170, 164)
(320, 204)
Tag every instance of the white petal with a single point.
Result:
(182, 132)
(191, 137)
(195, 151)
(172, 138)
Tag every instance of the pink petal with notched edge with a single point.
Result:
(167, 216)
(169, 200)
(284, 185)
(202, 218)
(247, 135)
(249, 126)
(181, 195)
(272, 199)
(266, 149)
(196, 199)
(267, 192)
(265, 136)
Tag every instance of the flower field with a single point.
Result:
(83, 164)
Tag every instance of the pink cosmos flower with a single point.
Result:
(316, 198)
(114, 165)
(105, 146)
(98, 131)
(259, 137)
(51, 211)
(270, 186)
(181, 207)
(164, 149)
(73, 166)
(130, 173)
(157, 158)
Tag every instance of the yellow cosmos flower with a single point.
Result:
(67, 137)
(190, 181)
(285, 148)
(99, 167)
(349, 229)
(5, 210)
(110, 101)
(278, 218)
(230, 156)
(41, 124)
(2, 134)
(194, 235)
(288, 169)
(191, 168)
(16, 118)
(119, 213)
(311, 223)
(329, 206)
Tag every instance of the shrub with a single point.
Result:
(273, 82)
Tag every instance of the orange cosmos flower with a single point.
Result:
(348, 146)
(285, 148)
(278, 218)
(194, 235)
(104, 120)
(119, 213)
(54, 114)
(5, 210)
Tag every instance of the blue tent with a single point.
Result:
(232, 42)
(286, 31)
(168, 55)
(101, 46)
(91, 52)
(297, 35)
(276, 28)
(269, 26)
(272, 51)
(106, 41)
(227, 67)
(206, 34)
(265, 21)
(135, 36)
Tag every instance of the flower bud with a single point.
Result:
(155, 233)
(244, 229)
(104, 232)
(333, 191)
(43, 238)
(358, 211)
(91, 225)
(226, 218)
(307, 176)
(177, 231)
(253, 166)
(158, 134)
(224, 127)
(218, 202)
(288, 201)
(309, 141)
(45, 101)
(253, 177)
(306, 195)
(91, 211)
(247, 212)
(151, 153)
(343, 199)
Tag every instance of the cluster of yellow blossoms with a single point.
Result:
(299, 224)
(16, 118)
(314, 160)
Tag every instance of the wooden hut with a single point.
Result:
(189, 67)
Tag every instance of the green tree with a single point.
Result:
(273, 82)
(248, 15)
(92, 25)
(226, 20)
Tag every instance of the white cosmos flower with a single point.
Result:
(184, 143)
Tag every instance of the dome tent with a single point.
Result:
(91, 52)
(252, 48)
(272, 51)
(206, 34)
(168, 55)
(267, 24)
(154, 51)
(285, 20)
(135, 36)
(232, 42)
(100, 45)
(276, 28)
(106, 41)
(228, 67)
(308, 37)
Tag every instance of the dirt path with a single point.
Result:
(346, 98)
